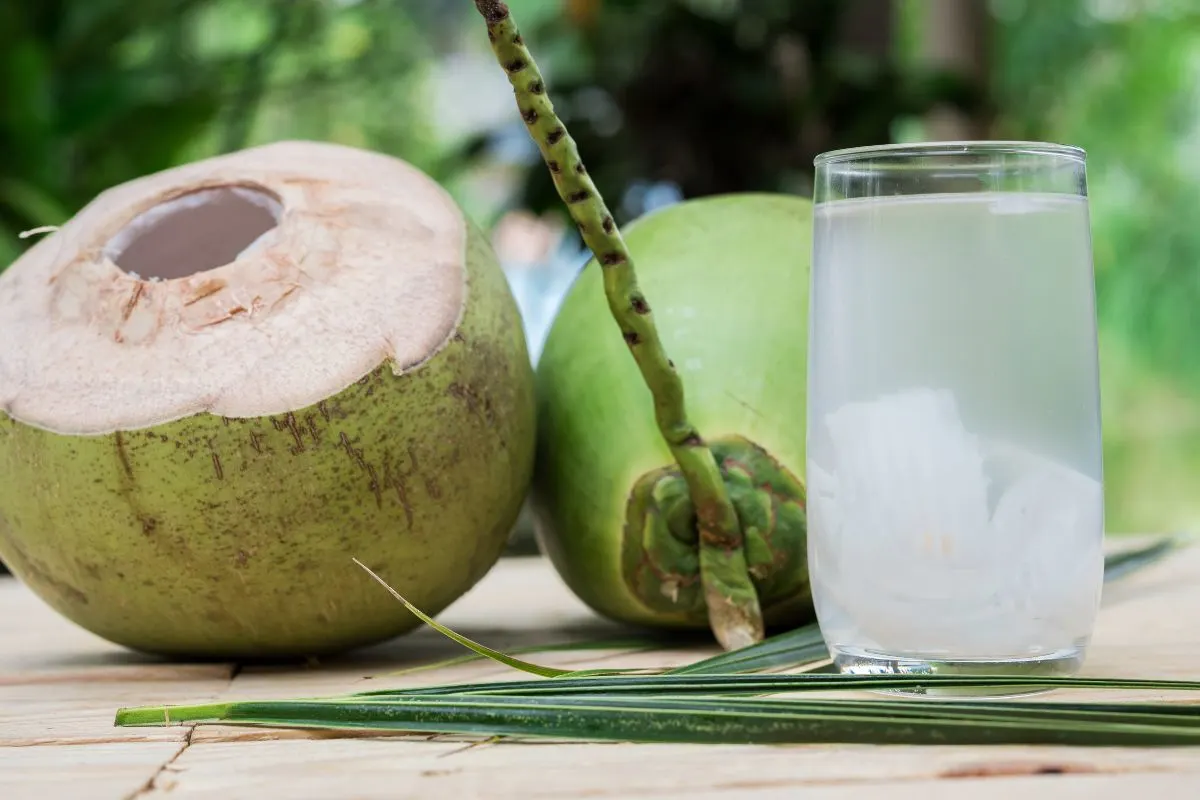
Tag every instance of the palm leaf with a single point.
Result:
(1126, 562)
(480, 649)
(804, 646)
(633, 645)
(723, 700)
(733, 685)
(713, 720)
(797, 648)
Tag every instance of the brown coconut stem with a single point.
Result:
(732, 602)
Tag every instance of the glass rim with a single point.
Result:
(850, 155)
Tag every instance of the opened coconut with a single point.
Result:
(221, 383)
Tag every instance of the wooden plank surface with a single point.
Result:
(59, 687)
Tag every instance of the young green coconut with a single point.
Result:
(222, 383)
(646, 520)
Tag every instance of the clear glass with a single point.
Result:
(955, 482)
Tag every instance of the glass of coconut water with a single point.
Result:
(954, 455)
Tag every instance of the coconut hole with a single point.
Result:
(195, 232)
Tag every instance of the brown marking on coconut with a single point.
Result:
(207, 289)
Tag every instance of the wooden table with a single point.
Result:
(59, 687)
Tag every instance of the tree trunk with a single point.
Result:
(954, 36)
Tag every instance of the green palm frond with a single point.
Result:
(731, 699)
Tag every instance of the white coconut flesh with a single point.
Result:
(246, 285)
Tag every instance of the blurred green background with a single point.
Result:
(669, 99)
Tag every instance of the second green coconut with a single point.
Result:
(729, 276)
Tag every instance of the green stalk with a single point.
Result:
(732, 603)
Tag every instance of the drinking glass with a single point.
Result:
(955, 485)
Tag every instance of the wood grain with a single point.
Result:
(59, 687)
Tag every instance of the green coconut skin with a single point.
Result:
(730, 275)
(211, 537)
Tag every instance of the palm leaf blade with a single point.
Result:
(713, 720)
(1118, 565)
(805, 645)
(795, 648)
(732, 685)
(473, 646)
(723, 700)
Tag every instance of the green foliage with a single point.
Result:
(719, 96)
(713, 95)
(729, 699)
(731, 95)
(97, 92)
(717, 716)
(1124, 88)
(76, 80)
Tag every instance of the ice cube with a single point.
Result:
(909, 557)
(909, 479)
(1051, 519)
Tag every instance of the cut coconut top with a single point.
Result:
(245, 285)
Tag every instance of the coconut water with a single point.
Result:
(954, 449)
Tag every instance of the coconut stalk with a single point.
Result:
(732, 603)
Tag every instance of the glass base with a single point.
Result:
(1063, 663)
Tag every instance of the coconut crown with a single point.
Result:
(243, 285)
